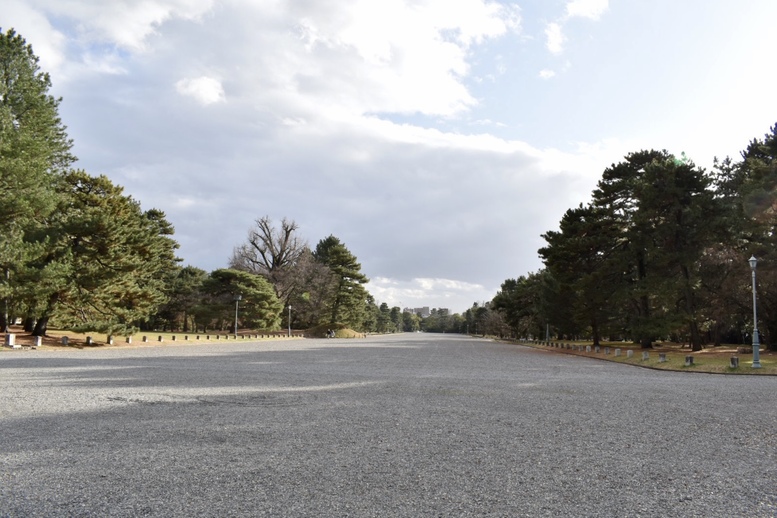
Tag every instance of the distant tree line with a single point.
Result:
(659, 253)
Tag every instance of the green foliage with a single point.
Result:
(520, 301)
(258, 307)
(106, 261)
(349, 302)
(660, 253)
(34, 149)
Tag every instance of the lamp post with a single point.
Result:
(237, 302)
(756, 342)
(289, 320)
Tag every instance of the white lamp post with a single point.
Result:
(289, 320)
(237, 302)
(756, 342)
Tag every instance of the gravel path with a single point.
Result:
(409, 425)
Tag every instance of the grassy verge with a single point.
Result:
(710, 360)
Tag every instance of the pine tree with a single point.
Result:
(34, 149)
(258, 305)
(347, 306)
(107, 262)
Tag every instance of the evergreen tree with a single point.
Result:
(34, 149)
(258, 307)
(347, 307)
(106, 263)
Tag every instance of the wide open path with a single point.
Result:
(408, 425)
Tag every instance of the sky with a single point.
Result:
(437, 139)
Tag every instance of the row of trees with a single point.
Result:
(77, 252)
(660, 252)
(73, 247)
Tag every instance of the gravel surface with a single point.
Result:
(411, 425)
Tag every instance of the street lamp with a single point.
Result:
(756, 342)
(289, 320)
(237, 302)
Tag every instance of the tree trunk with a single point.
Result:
(645, 341)
(41, 326)
(29, 324)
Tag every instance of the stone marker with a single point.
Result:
(606, 350)
(37, 341)
(588, 348)
(688, 361)
(629, 353)
(645, 355)
(662, 357)
(145, 339)
(597, 349)
(173, 338)
(88, 340)
(617, 352)
(160, 338)
(129, 339)
(65, 340)
(10, 340)
(734, 362)
(109, 340)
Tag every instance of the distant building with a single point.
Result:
(422, 312)
(426, 311)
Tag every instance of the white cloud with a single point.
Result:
(454, 295)
(547, 73)
(206, 90)
(35, 27)
(554, 38)
(124, 23)
(592, 9)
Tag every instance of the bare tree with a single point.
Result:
(271, 252)
(269, 249)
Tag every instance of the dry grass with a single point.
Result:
(710, 360)
(79, 340)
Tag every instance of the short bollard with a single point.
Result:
(65, 340)
(662, 357)
(688, 361)
(129, 339)
(37, 341)
(645, 355)
(89, 340)
(172, 338)
(160, 338)
(145, 339)
(109, 340)
(734, 362)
